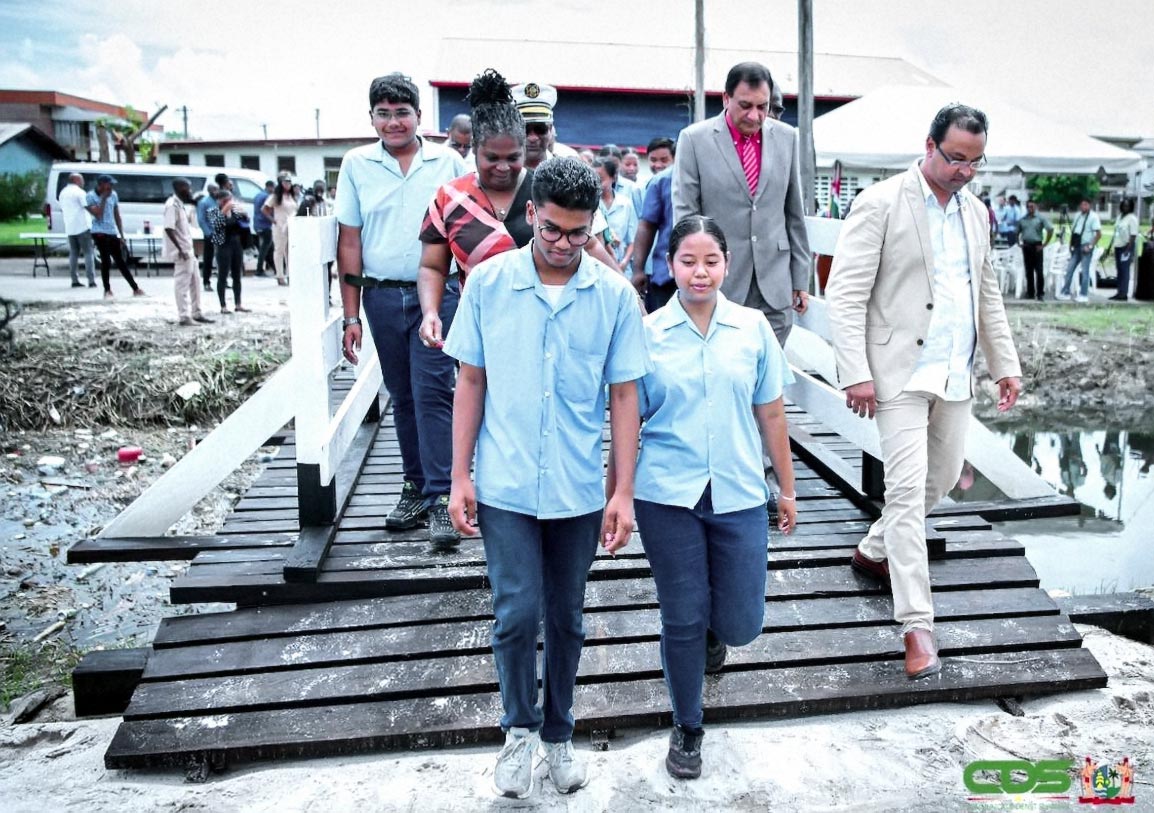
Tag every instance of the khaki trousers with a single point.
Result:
(923, 449)
(186, 284)
(280, 252)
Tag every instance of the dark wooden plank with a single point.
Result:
(384, 613)
(1129, 614)
(470, 718)
(104, 680)
(1001, 571)
(833, 469)
(167, 548)
(359, 667)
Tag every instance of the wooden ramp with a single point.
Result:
(389, 647)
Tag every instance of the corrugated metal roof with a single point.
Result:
(659, 68)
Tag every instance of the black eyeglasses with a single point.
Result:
(551, 234)
(957, 163)
(537, 129)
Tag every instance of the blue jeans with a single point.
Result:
(81, 245)
(538, 567)
(420, 383)
(1077, 256)
(710, 571)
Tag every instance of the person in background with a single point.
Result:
(78, 226)
(1034, 232)
(229, 222)
(776, 103)
(542, 332)
(1085, 232)
(461, 138)
(315, 203)
(535, 102)
(587, 156)
(617, 208)
(205, 203)
(654, 278)
(108, 233)
(1125, 245)
(281, 205)
(711, 409)
(262, 226)
(383, 194)
(742, 169)
(178, 250)
(629, 164)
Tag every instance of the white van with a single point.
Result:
(143, 189)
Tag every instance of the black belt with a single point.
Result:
(361, 281)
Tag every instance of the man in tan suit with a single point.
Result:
(911, 294)
(741, 169)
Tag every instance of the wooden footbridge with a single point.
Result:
(347, 637)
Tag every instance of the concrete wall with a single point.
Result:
(309, 159)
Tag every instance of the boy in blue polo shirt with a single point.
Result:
(539, 333)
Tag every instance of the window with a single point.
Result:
(245, 189)
(178, 158)
(213, 160)
(332, 170)
(143, 188)
(250, 162)
(286, 163)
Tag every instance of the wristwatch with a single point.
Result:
(348, 321)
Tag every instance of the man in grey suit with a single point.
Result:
(741, 169)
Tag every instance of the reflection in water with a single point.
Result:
(1108, 471)
(1110, 547)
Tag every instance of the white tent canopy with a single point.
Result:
(886, 130)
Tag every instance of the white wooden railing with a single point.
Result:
(298, 390)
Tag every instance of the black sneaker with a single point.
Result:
(441, 531)
(410, 509)
(684, 758)
(714, 653)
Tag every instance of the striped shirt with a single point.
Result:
(748, 154)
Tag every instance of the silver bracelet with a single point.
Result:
(783, 497)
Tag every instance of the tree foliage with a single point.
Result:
(1052, 191)
(21, 194)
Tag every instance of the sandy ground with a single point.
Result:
(901, 760)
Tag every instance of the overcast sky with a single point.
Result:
(237, 65)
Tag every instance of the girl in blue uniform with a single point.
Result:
(711, 409)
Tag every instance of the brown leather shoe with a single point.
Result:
(868, 567)
(921, 654)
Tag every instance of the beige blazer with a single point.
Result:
(881, 292)
(765, 231)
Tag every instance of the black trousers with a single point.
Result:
(1033, 259)
(230, 261)
(206, 261)
(656, 296)
(112, 250)
(264, 252)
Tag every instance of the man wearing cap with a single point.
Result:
(178, 250)
(108, 232)
(535, 103)
(742, 169)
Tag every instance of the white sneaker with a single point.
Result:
(513, 776)
(565, 769)
(1081, 298)
(1062, 295)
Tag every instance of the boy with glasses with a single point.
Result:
(539, 333)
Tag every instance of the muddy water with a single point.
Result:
(1109, 547)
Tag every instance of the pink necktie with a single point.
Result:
(750, 163)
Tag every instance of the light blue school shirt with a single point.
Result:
(106, 223)
(698, 402)
(539, 445)
(388, 206)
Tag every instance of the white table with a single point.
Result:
(151, 247)
(39, 250)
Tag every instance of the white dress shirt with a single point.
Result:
(948, 353)
(72, 205)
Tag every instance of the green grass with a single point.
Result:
(10, 230)
(27, 667)
(1109, 320)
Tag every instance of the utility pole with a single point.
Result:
(264, 129)
(699, 61)
(318, 116)
(805, 101)
(184, 115)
